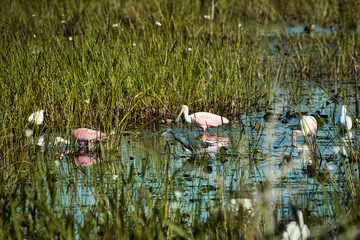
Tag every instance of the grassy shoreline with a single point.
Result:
(83, 70)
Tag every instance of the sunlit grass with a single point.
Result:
(121, 65)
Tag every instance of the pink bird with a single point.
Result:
(203, 120)
(86, 135)
(308, 127)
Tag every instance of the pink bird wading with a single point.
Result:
(203, 120)
(308, 127)
(86, 136)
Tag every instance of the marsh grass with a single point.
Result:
(70, 60)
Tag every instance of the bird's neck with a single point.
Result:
(186, 116)
(343, 112)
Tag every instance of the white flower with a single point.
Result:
(134, 44)
(70, 38)
(115, 25)
(337, 149)
(28, 132)
(158, 23)
(189, 49)
(87, 101)
(178, 193)
(57, 163)
(63, 21)
(115, 176)
(41, 141)
(34, 36)
(60, 140)
(36, 117)
(33, 15)
(239, 26)
(329, 167)
(175, 205)
(207, 16)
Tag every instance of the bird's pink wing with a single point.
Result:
(314, 125)
(85, 134)
(206, 120)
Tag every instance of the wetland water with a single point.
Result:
(245, 162)
(251, 161)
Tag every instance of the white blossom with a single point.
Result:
(158, 23)
(41, 141)
(36, 117)
(174, 205)
(29, 132)
(207, 16)
(178, 193)
(60, 140)
(115, 25)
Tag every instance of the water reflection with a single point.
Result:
(346, 145)
(307, 152)
(215, 140)
(255, 162)
(87, 159)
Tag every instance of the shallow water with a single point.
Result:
(243, 163)
(237, 166)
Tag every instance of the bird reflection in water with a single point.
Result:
(307, 152)
(346, 149)
(215, 140)
(86, 159)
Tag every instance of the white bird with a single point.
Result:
(36, 117)
(296, 230)
(308, 125)
(344, 122)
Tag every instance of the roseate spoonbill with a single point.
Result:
(86, 135)
(296, 229)
(188, 142)
(308, 125)
(344, 122)
(203, 120)
(36, 117)
(269, 116)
